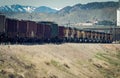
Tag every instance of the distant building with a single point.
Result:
(84, 24)
(118, 15)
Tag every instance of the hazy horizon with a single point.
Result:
(56, 4)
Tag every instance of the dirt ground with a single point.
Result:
(69, 60)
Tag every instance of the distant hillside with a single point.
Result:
(44, 9)
(99, 11)
(97, 5)
(89, 6)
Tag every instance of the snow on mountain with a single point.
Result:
(29, 8)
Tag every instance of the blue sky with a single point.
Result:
(50, 3)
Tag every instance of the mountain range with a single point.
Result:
(24, 9)
(44, 9)
(95, 11)
(89, 6)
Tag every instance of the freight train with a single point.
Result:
(22, 31)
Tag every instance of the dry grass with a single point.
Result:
(59, 61)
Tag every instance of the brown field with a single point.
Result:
(67, 60)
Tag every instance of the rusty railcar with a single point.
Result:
(84, 36)
(12, 28)
(22, 28)
(31, 29)
(43, 31)
(2, 24)
(75, 35)
(93, 36)
(47, 32)
(109, 38)
(99, 36)
(61, 34)
(73, 32)
(78, 34)
(88, 36)
(53, 27)
(40, 31)
(68, 34)
(2, 28)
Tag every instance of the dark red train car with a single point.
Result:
(75, 33)
(22, 28)
(88, 34)
(61, 33)
(2, 24)
(40, 31)
(53, 27)
(47, 32)
(11, 27)
(31, 29)
(43, 31)
(70, 32)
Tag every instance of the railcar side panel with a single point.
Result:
(40, 31)
(2, 24)
(12, 28)
(22, 29)
(61, 34)
(32, 28)
(47, 32)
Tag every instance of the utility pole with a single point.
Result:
(69, 23)
(31, 17)
(115, 33)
